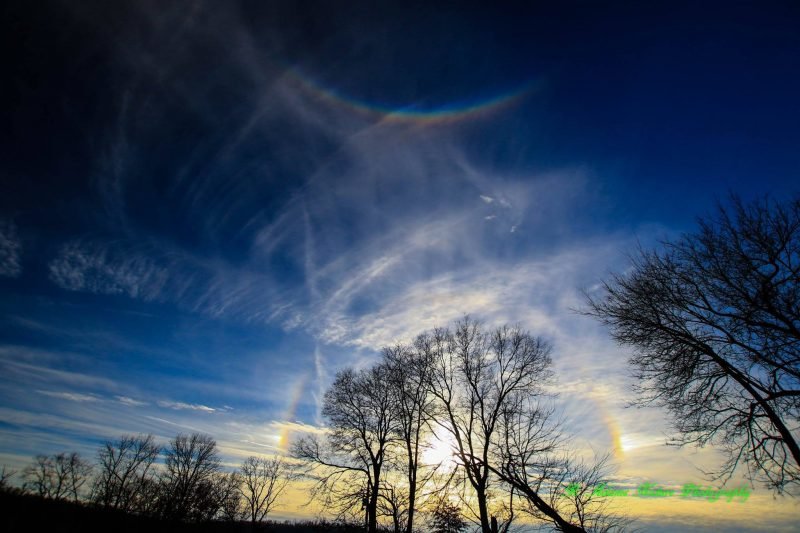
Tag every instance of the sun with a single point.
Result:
(628, 443)
(440, 450)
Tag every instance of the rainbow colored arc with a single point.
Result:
(444, 114)
(296, 396)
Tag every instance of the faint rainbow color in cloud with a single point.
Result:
(613, 428)
(458, 111)
(290, 414)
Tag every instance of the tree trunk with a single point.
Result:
(372, 507)
(482, 509)
(372, 516)
(737, 375)
(412, 496)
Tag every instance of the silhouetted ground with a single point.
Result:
(22, 512)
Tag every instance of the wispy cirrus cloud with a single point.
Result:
(182, 406)
(10, 249)
(260, 189)
(87, 267)
(391, 230)
(49, 411)
(152, 271)
(126, 400)
(31, 373)
(533, 293)
(388, 235)
(362, 276)
(380, 215)
(297, 427)
(71, 396)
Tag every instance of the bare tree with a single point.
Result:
(192, 461)
(482, 388)
(358, 407)
(714, 318)
(150, 497)
(215, 497)
(409, 372)
(58, 476)
(77, 472)
(475, 374)
(576, 492)
(393, 502)
(526, 441)
(262, 481)
(530, 457)
(126, 469)
(5, 475)
(229, 495)
(40, 478)
(340, 483)
(447, 518)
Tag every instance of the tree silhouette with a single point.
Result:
(262, 481)
(475, 375)
(714, 317)
(483, 389)
(58, 476)
(125, 472)
(229, 495)
(408, 369)
(5, 475)
(447, 518)
(188, 484)
(358, 407)
(40, 478)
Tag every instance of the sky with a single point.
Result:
(207, 209)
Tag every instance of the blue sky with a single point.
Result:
(208, 209)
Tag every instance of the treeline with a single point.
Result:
(28, 512)
(191, 486)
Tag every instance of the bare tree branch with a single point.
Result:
(715, 319)
(125, 470)
(262, 482)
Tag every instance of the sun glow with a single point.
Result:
(440, 451)
(627, 443)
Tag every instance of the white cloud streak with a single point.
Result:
(125, 400)
(181, 406)
(70, 396)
